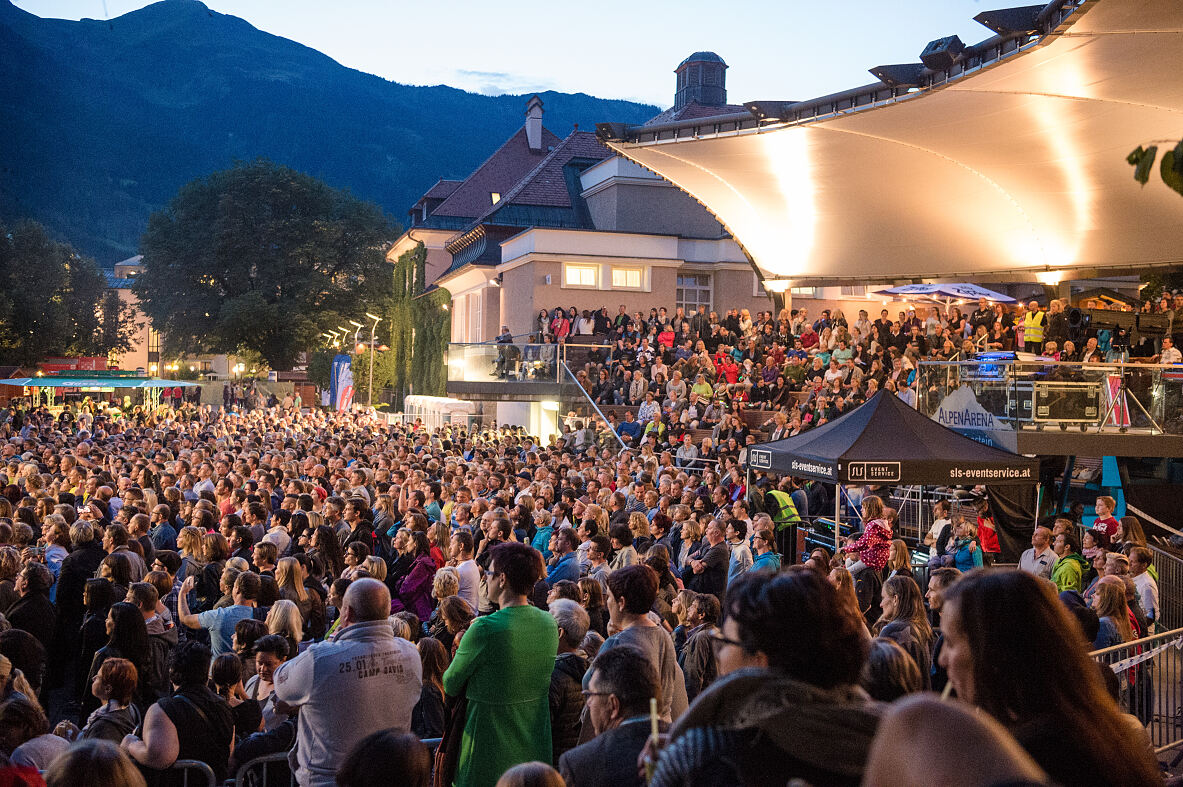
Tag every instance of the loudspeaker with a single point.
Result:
(1153, 324)
(942, 53)
(1102, 319)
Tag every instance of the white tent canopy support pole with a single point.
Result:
(1038, 500)
(837, 517)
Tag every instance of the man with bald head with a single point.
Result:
(361, 680)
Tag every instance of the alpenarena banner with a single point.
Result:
(1014, 170)
(884, 441)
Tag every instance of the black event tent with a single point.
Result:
(886, 441)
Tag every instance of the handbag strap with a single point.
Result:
(196, 708)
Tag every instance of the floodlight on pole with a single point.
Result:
(358, 327)
(373, 329)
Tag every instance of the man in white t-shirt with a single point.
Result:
(460, 548)
(1140, 559)
(940, 520)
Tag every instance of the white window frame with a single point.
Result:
(625, 270)
(854, 291)
(475, 316)
(709, 289)
(804, 292)
(581, 268)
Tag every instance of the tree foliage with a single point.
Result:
(54, 302)
(320, 367)
(1171, 169)
(429, 369)
(385, 372)
(263, 257)
(420, 330)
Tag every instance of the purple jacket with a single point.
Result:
(414, 591)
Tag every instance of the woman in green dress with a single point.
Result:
(503, 668)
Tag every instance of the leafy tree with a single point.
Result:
(385, 372)
(117, 324)
(1171, 169)
(54, 301)
(320, 367)
(263, 257)
(421, 329)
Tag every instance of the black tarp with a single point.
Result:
(1013, 511)
(884, 441)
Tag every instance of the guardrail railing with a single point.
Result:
(517, 362)
(572, 390)
(1150, 679)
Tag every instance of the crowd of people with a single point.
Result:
(218, 584)
(681, 373)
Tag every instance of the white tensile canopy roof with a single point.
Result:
(1014, 171)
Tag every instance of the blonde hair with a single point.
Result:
(375, 567)
(287, 577)
(285, 618)
(638, 523)
(686, 597)
(1111, 603)
(10, 562)
(189, 541)
(238, 563)
(900, 556)
(445, 583)
(19, 682)
(402, 629)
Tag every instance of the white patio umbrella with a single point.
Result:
(946, 294)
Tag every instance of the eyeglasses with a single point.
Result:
(718, 641)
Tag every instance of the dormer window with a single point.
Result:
(495, 196)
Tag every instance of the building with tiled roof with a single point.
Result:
(546, 222)
(701, 91)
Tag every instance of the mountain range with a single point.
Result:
(102, 121)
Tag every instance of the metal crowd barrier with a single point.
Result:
(260, 772)
(1170, 588)
(271, 769)
(194, 773)
(1149, 673)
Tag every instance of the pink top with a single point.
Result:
(874, 546)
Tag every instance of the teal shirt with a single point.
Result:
(769, 561)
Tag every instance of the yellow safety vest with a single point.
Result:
(1033, 327)
(785, 511)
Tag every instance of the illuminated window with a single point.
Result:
(626, 278)
(580, 275)
(804, 292)
(495, 196)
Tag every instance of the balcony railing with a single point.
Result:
(488, 362)
(1014, 394)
